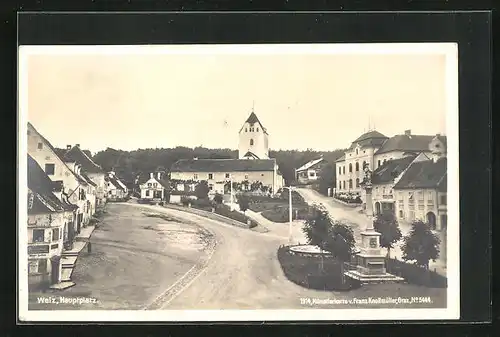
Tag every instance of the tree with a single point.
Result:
(243, 202)
(326, 178)
(421, 244)
(218, 198)
(201, 190)
(341, 244)
(316, 228)
(387, 225)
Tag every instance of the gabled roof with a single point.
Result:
(79, 156)
(424, 174)
(223, 165)
(87, 179)
(41, 187)
(251, 154)
(411, 143)
(341, 158)
(79, 178)
(369, 139)
(253, 119)
(390, 170)
(115, 183)
(310, 164)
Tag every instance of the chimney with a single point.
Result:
(151, 175)
(407, 132)
(68, 147)
(77, 145)
(159, 175)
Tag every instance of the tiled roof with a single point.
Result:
(253, 119)
(390, 170)
(87, 179)
(223, 165)
(413, 143)
(114, 181)
(341, 158)
(77, 155)
(369, 139)
(41, 188)
(309, 164)
(424, 174)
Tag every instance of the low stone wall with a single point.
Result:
(209, 215)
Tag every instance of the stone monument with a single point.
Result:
(370, 261)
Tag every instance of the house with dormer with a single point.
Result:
(154, 188)
(70, 184)
(116, 189)
(90, 170)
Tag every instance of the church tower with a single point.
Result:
(254, 139)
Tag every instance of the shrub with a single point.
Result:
(218, 198)
(415, 274)
(203, 204)
(185, 200)
(235, 215)
(243, 202)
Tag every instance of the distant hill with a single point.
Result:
(129, 164)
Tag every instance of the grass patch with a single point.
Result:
(305, 271)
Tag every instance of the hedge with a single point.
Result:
(415, 274)
(224, 210)
(305, 271)
(281, 213)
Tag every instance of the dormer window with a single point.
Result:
(246, 130)
(257, 129)
(40, 146)
(251, 141)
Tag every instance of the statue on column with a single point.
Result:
(367, 179)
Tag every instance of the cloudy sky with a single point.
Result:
(321, 101)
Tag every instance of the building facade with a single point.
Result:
(48, 222)
(154, 188)
(116, 190)
(310, 171)
(376, 149)
(71, 185)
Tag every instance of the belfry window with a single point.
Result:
(251, 141)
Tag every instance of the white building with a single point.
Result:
(154, 187)
(253, 139)
(310, 171)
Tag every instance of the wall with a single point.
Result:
(260, 139)
(419, 208)
(382, 193)
(101, 192)
(46, 222)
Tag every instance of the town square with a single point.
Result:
(193, 182)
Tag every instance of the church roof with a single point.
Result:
(253, 119)
(223, 165)
(251, 154)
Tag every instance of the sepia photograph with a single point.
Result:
(262, 182)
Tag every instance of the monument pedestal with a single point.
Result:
(370, 261)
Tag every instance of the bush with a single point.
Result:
(349, 198)
(280, 213)
(296, 197)
(235, 215)
(204, 204)
(186, 201)
(305, 271)
(416, 275)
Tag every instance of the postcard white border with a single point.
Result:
(450, 50)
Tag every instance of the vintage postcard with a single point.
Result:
(238, 182)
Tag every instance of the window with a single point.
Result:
(251, 141)
(350, 167)
(149, 184)
(356, 151)
(49, 169)
(246, 130)
(40, 146)
(340, 185)
(147, 193)
(210, 176)
(155, 185)
(55, 234)
(343, 170)
(38, 235)
(350, 183)
(384, 161)
(257, 129)
(357, 166)
(32, 267)
(443, 200)
(420, 196)
(378, 164)
(246, 176)
(227, 175)
(401, 214)
(340, 170)
(312, 174)
(195, 176)
(383, 190)
(343, 185)
(357, 182)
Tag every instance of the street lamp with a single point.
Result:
(231, 192)
(290, 214)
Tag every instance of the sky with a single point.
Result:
(322, 102)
